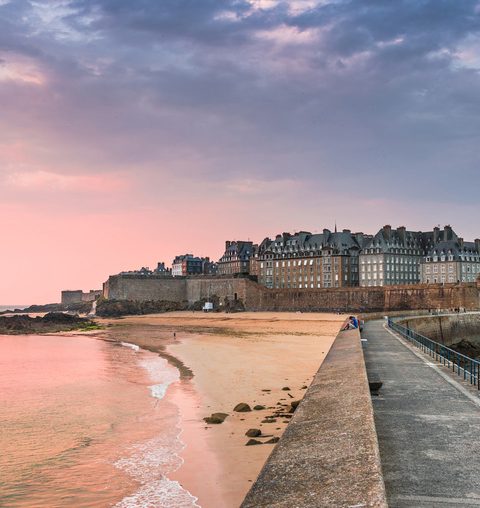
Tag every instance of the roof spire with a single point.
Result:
(335, 225)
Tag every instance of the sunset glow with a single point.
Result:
(132, 135)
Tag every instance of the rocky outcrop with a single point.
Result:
(50, 323)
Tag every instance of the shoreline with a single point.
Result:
(224, 360)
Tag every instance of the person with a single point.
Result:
(351, 324)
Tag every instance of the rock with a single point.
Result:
(220, 415)
(215, 418)
(290, 395)
(304, 387)
(259, 407)
(266, 390)
(253, 432)
(252, 442)
(212, 420)
(242, 408)
(294, 404)
(286, 389)
(269, 420)
(273, 440)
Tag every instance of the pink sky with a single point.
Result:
(128, 136)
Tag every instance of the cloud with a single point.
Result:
(46, 180)
(225, 88)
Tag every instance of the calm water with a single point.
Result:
(84, 424)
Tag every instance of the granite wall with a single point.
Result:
(141, 287)
(258, 298)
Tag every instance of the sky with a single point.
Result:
(134, 131)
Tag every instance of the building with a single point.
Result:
(78, 296)
(188, 264)
(162, 270)
(451, 259)
(236, 258)
(309, 261)
(393, 257)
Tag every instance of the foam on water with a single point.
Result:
(161, 373)
(150, 462)
(131, 346)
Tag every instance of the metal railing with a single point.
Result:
(461, 364)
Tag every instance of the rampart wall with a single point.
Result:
(139, 287)
(256, 297)
(375, 299)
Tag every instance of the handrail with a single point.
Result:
(441, 353)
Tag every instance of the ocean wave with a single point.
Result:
(161, 373)
(131, 346)
(150, 462)
(162, 493)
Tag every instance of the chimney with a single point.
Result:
(477, 244)
(346, 231)
(401, 234)
(460, 242)
(436, 235)
(326, 232)
(447, 233)
(227, 244)
(387, 232)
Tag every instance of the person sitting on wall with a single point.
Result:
(351, 323)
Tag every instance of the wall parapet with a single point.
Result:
(328, 455)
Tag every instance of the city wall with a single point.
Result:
(141, 287)
(375, 299)
(76, 296)
(258, 298)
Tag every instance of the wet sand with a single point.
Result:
(225, 359)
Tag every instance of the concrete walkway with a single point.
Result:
(428, 426)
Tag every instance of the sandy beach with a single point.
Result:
(265, 359)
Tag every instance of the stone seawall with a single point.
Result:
(446, 329)
(138, 287)
(374, 299)
(257, 297)
(328, 455)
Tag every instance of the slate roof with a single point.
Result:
(454, 248)
(343, 242)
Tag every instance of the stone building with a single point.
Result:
(393, 257)
(188, 264)
(236, 258)
(162, 269)
(451, 259)
(77, 296)
(309, 261)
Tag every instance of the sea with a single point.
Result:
(12, 307)
(85, 423)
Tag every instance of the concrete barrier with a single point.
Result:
(328, 455)
(447, 329)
